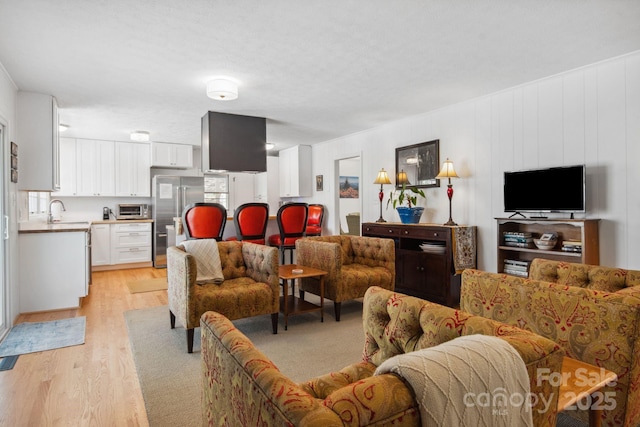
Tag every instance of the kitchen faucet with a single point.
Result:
(50, 215)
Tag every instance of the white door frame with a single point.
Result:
(4, 228)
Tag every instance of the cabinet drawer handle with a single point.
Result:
(134, 234)
(390, 231)
(134, 249)
(406, 231)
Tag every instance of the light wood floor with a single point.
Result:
(94, 384)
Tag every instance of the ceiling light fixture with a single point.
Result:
(140, 136)
(62, 127)
(222, 89)
(270, 145)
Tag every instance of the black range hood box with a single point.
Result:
(233, 143)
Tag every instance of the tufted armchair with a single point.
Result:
(353, 264)
(241, 386)
(250, 286)
(592, 312)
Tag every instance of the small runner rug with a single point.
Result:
(147, 285)
(31, 337)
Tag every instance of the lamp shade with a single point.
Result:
(222, 89)
(447, 170)
(382, 177)
(403, 178)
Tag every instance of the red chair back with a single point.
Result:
(204, 221)
(314, 220)
(251, 220)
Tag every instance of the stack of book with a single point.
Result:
(516, 267)
(517, 239)
(572, 246)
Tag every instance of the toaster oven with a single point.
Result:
(133, 211)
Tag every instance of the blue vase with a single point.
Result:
(410, 215)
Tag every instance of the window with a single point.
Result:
(38, 202)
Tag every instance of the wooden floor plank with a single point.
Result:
(92, 384)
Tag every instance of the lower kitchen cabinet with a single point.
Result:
(53, 270)
(121, 243)
(130, 242)
(100, 244)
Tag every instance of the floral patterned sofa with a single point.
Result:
(593, 312)
(250, 288)
(241, 386)
(353, 263)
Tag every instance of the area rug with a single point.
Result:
(30, 337)
(147, 285)
(170, 377)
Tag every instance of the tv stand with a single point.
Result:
(584, 231)
(518, 213)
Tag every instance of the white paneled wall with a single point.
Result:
(590, 115)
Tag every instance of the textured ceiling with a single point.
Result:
(315, 69)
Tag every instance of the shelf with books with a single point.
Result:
(577, 241)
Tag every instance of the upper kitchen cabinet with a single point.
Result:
(95, 168)
(295, 171)
(67, 168)
(165, 155)
(133, 176)
(37, 139)
(266, 185)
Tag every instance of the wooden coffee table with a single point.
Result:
(580, 380)
(290, 304)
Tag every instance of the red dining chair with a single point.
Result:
(314, 220)
(292, 223)
(251, 220)
(204, 221)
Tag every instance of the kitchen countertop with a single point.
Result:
(68, 226)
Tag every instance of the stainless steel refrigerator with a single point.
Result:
(169, 196)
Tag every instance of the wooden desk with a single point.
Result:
(581, 380)
(299, 305)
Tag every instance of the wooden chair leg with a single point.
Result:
(336, 309)
(274, 322)
(172, 319)
(190, 340)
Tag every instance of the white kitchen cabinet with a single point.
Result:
(132, 169)
(267, 185)
(241, 190)
(100, 244)
(171, 155)
(53, 270)
(130, 242)
(68, 167)
(37, 139)
(295, 172)
(95, 168)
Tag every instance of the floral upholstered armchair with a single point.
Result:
(250, 286)
(353, 263)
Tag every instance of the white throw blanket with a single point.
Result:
(208, 265)
(473, 380)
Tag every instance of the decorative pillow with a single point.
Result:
(205, 251)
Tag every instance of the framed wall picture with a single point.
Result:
(319, 182)
(349, 187)
(14, 149)
(14, 176)
(14, 162)
(417, 165)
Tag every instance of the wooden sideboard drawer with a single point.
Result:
(380, 230)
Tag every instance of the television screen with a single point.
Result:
(560, 189)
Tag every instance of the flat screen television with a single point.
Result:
(559, 189)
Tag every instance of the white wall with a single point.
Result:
(590, 115)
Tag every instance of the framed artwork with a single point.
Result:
(349, 187)
(14, 176)
(14, 162)
(417, 165)
(14, 149)
(319, 182)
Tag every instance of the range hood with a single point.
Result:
(233, 143)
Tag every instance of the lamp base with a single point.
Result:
(450, 222)
(381, 220)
